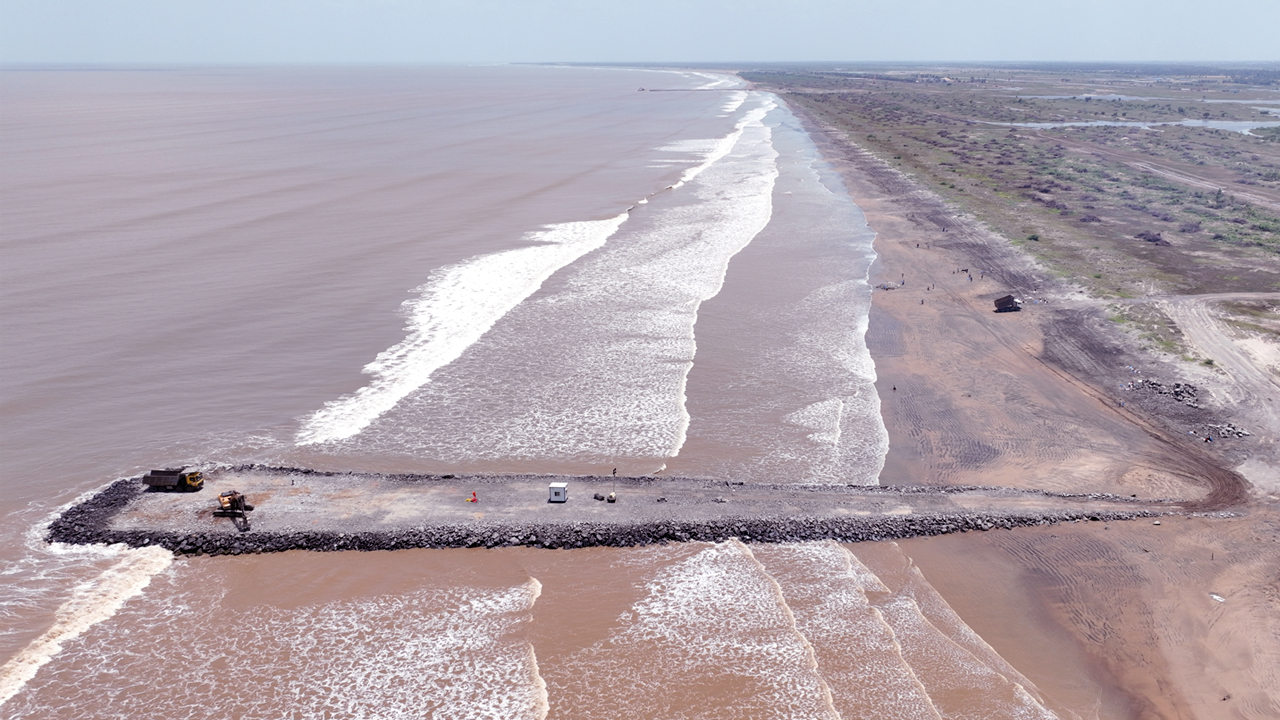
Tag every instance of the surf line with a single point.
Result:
(811, 656)
(754, 213)
(91, 604)
(460, 303)
(541, 698)
(454, 309)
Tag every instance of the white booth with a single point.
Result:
(559, 492)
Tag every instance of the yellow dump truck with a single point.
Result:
(179, 480)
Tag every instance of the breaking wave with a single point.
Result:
(453, 310)
(93, 602)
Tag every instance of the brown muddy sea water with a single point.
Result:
(467, 269)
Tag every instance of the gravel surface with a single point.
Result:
(300, 509)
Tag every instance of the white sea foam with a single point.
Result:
(811, 655)
(598, 367)
(34, 588)
(462, 302)
(733, 103)
(944, 618)
(856, 651)
(716, 82)
(703, 265)
(458, 653)
(960, 684)
(390, 657)
(830, 352)
(804, 288)
(823, 418)
(713, 636)
(455, 308)
(91, 603)
(714, 150)
(542, 700)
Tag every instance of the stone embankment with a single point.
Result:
(126, 513)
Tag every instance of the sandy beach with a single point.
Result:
(1176, 620)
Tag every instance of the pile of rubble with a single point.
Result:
(1225, 430)
(1184, 393)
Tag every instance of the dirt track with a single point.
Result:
(1197, 319)
(1015, 399)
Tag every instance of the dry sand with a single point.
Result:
(1177, 620)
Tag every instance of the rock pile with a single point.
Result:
(90, 522)
(1225, 430)
(1184, 393)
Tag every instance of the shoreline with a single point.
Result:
(1025, 399)
(971, 396)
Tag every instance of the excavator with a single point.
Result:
(232, 504)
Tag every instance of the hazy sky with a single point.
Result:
(400, 31)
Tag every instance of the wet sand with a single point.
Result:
(1171, 621)
(1135, 621)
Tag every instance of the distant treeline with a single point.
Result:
(1238, 73)
(1257, 77)
(810, 76)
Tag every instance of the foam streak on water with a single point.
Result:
(945, 619)
(716, 81)
(716, 149)
(454, 309)
(823, 418)
(856, 651)
(595, 367)
(811, 656)
(959, 682)
(92, 603)
(443, 653)
(783, 386)
(716, 643)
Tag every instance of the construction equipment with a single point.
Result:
(174, 480)
(232, 504)
(1008, 303)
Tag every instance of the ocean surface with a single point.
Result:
(463, 269)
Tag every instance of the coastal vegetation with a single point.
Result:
(1123, 210)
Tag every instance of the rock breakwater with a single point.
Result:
(92, 521)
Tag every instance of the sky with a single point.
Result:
(453, 31)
